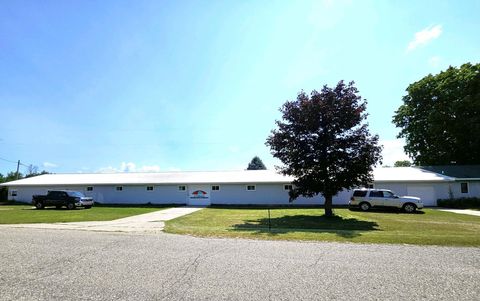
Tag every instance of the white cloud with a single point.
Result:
(130, 167)
(149, 168)
(127, 167)
(424, 36)
(49, 165)
(108, 169)
(174, 169)
(434, 61)
(393, 151)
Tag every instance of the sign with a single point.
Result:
(198, 195)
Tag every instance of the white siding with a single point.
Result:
(229, 194)
(236, 194)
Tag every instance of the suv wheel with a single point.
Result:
(409, 208)
(39, 205)
(70, 206)
(364, 206)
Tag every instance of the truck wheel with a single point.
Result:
(409, 208)
(364, 206)
(39, 205)
(70, 206)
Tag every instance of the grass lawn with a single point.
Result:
(426, 227)
(23, 214)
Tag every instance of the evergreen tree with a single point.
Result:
(256, 164)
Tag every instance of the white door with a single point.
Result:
(424, 192)
(198, 195)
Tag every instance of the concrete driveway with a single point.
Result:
(148, 222)
(462, 211)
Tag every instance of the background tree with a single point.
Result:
(32, 170)
(256, 164)
(440, 117)
(324, 142)
(403, 163)
(12, 176)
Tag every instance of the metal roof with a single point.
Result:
(392, 174)
(192, 177)
(457, 171)
(408, 174)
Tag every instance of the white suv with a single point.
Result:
(368, 198)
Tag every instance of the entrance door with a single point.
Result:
(198, 195)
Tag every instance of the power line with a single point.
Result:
(8, 160)
(15, 162)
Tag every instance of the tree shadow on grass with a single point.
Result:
(343, 227)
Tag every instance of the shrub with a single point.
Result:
(460, 203)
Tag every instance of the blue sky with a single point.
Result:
(89, 86)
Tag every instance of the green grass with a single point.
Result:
(427, 227)
(23, 214)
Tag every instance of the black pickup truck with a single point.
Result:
(59, 198)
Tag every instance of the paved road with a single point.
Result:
(44, 264)
(152, 222)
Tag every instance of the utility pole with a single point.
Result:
(18, 167)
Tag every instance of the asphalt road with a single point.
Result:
(40, 264)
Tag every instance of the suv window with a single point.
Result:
(388, 194)
(376, 194)
(360, 193)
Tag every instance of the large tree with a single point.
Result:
(440, 117)
(256, 164)
(402, 163)
(324, 142)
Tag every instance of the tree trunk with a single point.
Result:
(328, 206)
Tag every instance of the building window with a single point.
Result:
(287, 187)
(369, 186)
(89, 188)
(464, 187)
(215, 187)
(182, 188)
(150, 188)
(251, 187)
(14, 193)
(119, 188)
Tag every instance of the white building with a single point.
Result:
(246, 187)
